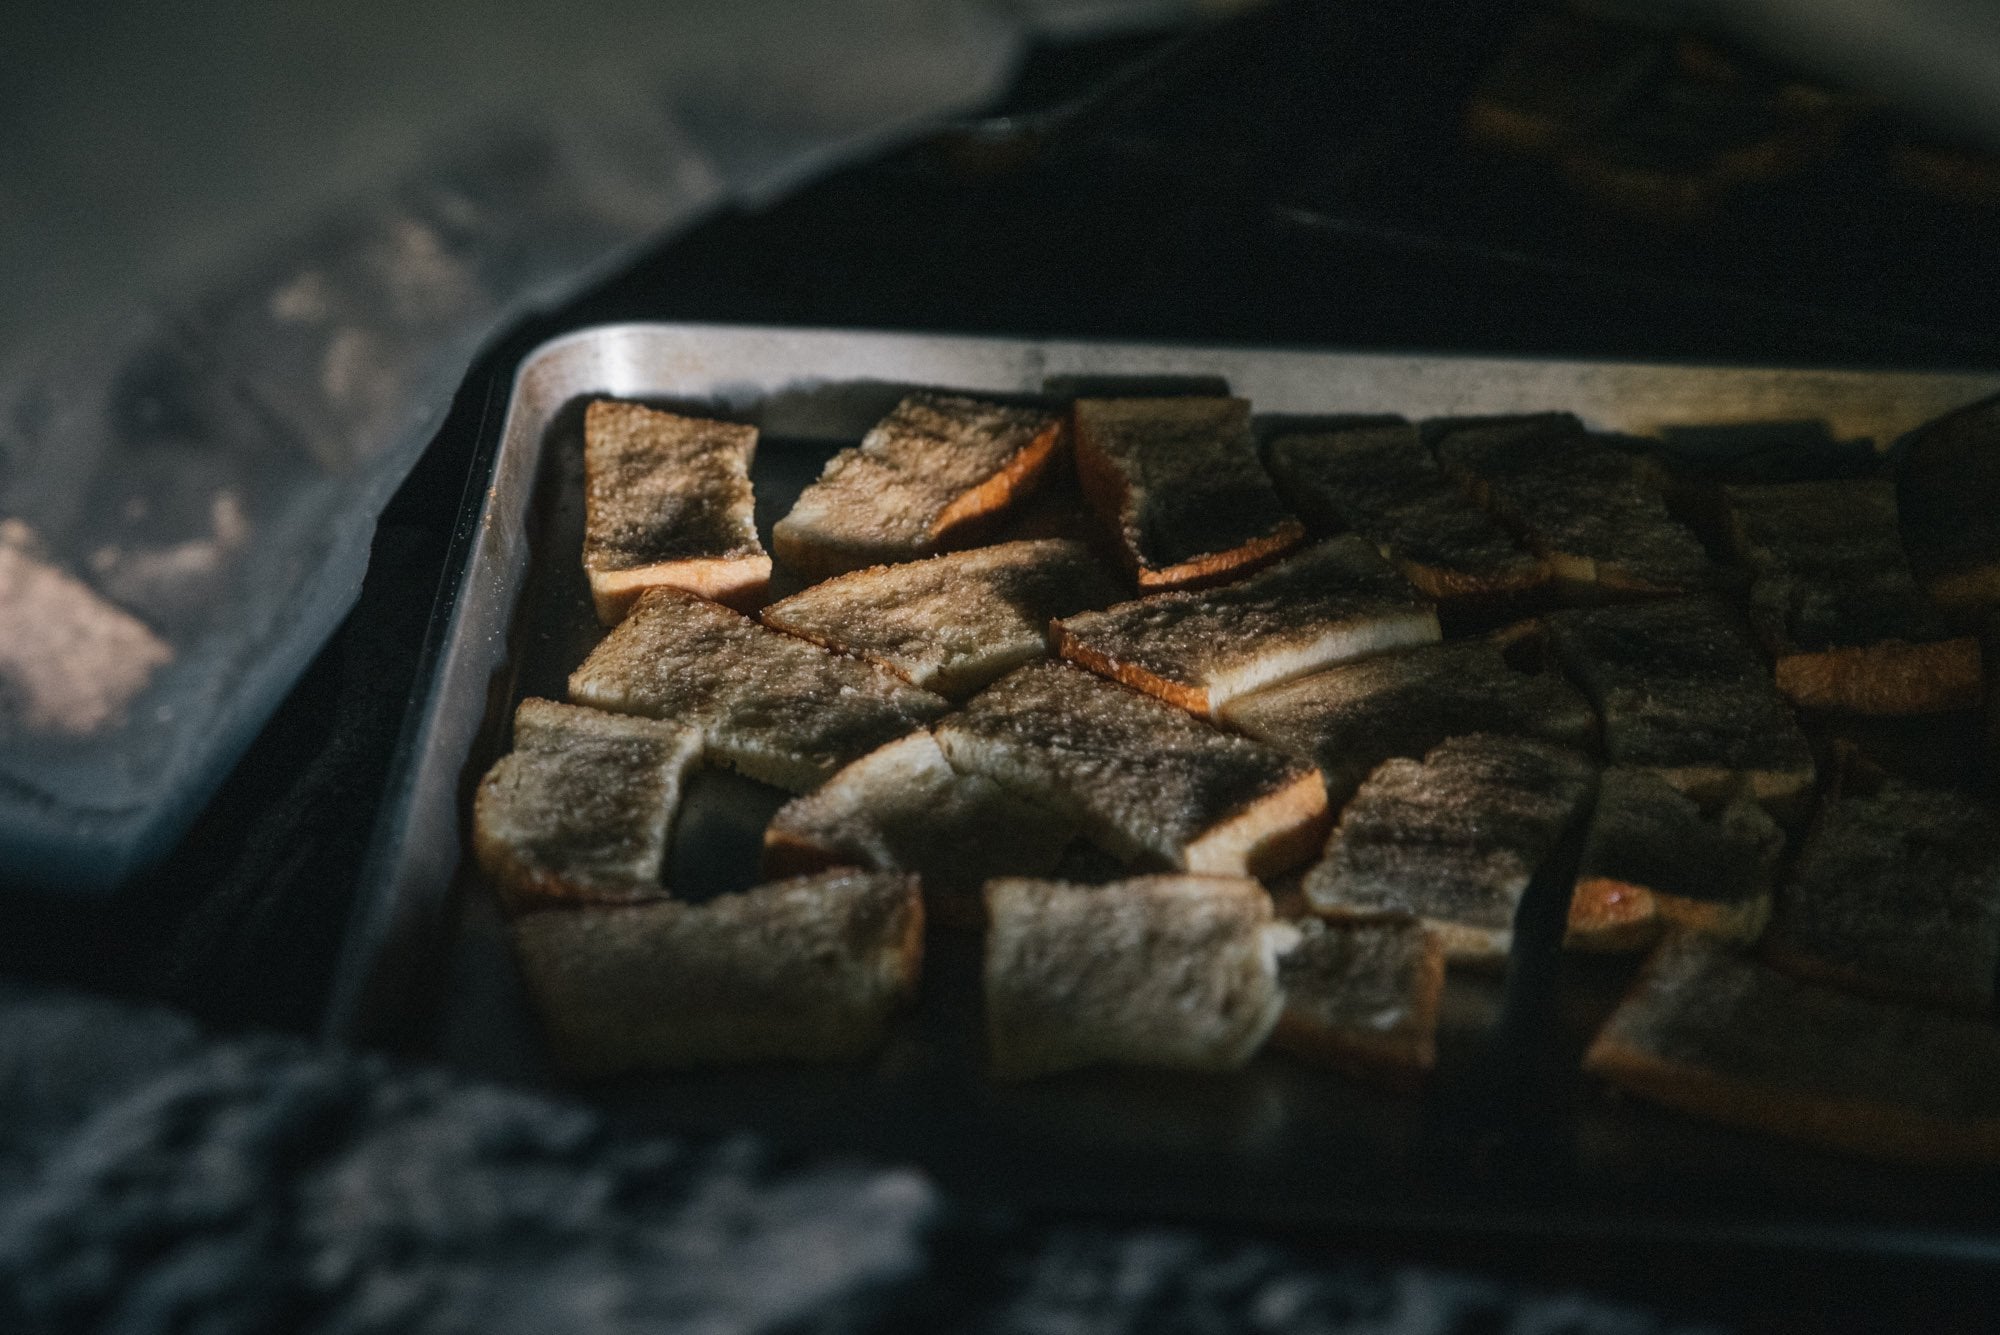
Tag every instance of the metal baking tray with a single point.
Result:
(1508, 1140)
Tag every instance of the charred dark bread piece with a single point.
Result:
(952, 623)
(667, 503)
(1833, 598)
(1363, 997)
(1948, 504)
(1351, 718)
(1172, 971)
(1715, 1034)
(1897, 894)
(1145, 780)
(1654, 857)
(1681, 691)
(802, 970)
(767, 704)
(1379, 481)
(1335, 601)
(1454, 839)
(581, 808)
(922, 480)
(903, 808)
(1178, 486)
(1588, 511)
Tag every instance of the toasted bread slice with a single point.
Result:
(1834, 601)
(1331, 603)
(1711, 1033)
(1896, 894)
(1350, 719)
(923, 479)
(953, 623)
(1654, 857)
(904, 808)
(1452, 840)
(1177, 484)
(767, 704)
(582, 806)
(1173, 971)
(802, 970)
(667, 503)
(1363, 997)
(1145, 780)
(1682, 691)
(1586, 510)
(1948, 505)
(1379, 480)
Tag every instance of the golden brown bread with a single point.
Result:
(925, 478)
(667, 502)
(1177, 485)
(802, 970)
(953, 623)
(1335, 601)
(767, 704)
(1834, 600)
(1712, 1033)
(1145, 780)
(1173, 971)
(1363, 997)
(581, 808)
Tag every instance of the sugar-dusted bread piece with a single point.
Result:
(1709, 1032)
(582, 806)
(904, 808)
(1178, 485)
(952, 623)
(1587, 510)
(767, 704)
(920, 481)
(1453, 839)
(1332, 602)
(1173, 971)
(1681, 690)
(667, 502)
(1654, 857)
(802, 970)
(1896, 893)
(1378, 480)
(1146, 782)
(1835, 603)
(1350, 719)
(1948, 507)
(1363, 996)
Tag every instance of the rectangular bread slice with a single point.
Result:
(1712, 1033)
(1178, 486)
(667, 503)
(1336, 601)
(904, 808)
(1379, 481)
(769, 705)
(1948, 507)
(1363, 997)
(1681, 691)
(1146, 781)
(925, 478)
(807, 970)
(1833, 599)
(953, 623)
(1171, 971)
(1655, 857)
(1350, 719)
(1896, 894)
(1586, 510)
(1453, 839)
(581, 808)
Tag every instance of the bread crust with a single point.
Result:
(1363, 998)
